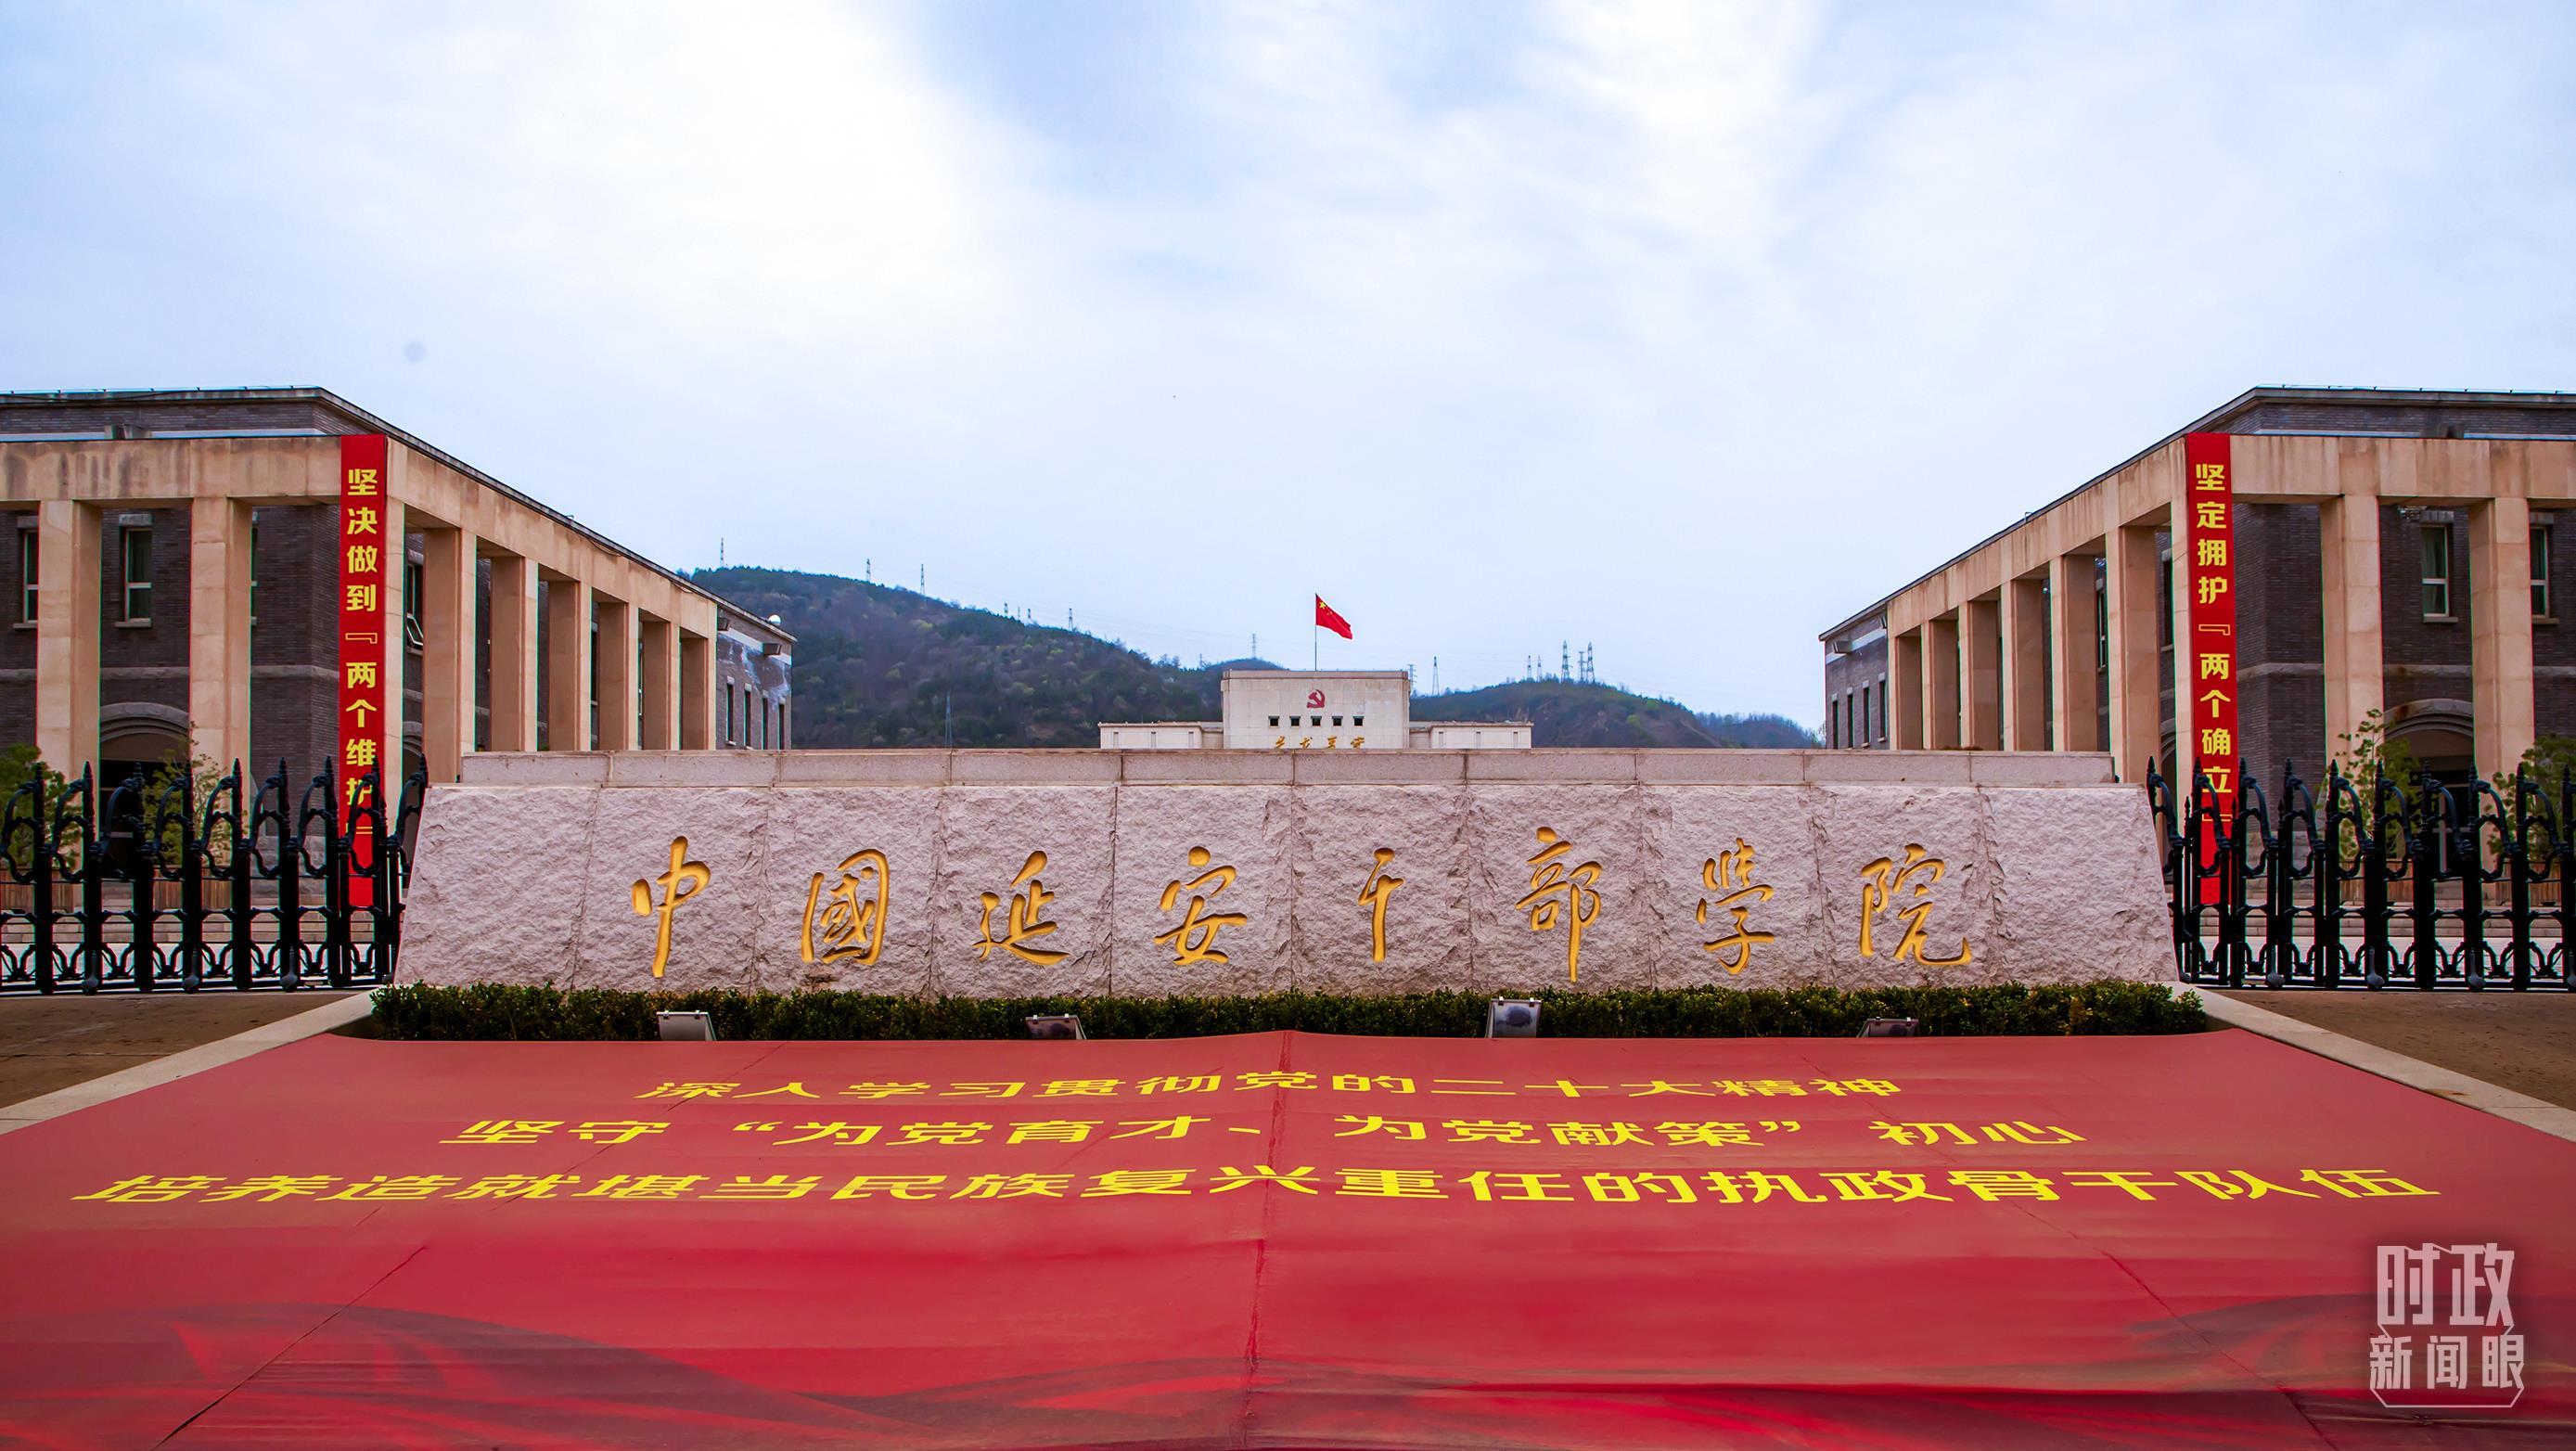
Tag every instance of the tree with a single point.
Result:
(2368, 758)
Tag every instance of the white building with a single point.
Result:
(1310, 710)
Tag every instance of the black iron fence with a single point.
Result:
(184, 886)
(2372, 884)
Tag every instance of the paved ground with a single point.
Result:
(54, 1042)
(2522, 1041)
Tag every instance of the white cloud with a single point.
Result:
(1678, 328)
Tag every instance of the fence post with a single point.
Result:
(2517, 867)
(143, 870)
(93, 888)
(2280, 892)
(192, 903)
(40, 891)
(335, 886)
(290, 904)
(2424, 911)
(239, 870)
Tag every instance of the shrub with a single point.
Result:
(550, 1014)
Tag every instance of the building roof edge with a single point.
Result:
(2261, 393)
(370, 423)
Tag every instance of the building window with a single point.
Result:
(136, 545)
(1274, 721)
(253, 571)
(1337, 720)
(2542, 535)
(2164, 602)
(27, 575)
(728, 712)
(1359, 720)
(2101, 624)
(2437, 571)
(413, 638)
(2047, 669)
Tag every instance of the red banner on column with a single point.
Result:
(2206, 667)
(366, 558)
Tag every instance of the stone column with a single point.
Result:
(2073, 689)
(67, 628)
(2355, 668)
(661, 685)
(697, 692)
(514, 653)
(449, 632)
(1981, 725)
(2500, 674)
(2025, 664)
(2186, 740)
(1941, 683)
(616, 647)
(219, 630)
(567, 665)
(1905, 691)
(2136, 718)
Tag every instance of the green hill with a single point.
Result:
(1757, 731)
(1572, 713)
(881, 666)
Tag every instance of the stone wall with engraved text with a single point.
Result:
(1074, 872)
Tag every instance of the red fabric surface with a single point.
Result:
(1261, 1315)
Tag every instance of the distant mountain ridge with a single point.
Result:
(1573, 713)
(878, 666)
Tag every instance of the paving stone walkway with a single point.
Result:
(2522, 1041)
(48, 1043)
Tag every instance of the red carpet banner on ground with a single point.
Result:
(1273, 1240)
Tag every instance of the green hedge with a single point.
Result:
(493, 1010)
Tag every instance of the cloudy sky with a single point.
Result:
(1681, 330)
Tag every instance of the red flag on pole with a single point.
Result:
(1330, 619)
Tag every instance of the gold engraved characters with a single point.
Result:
(1194, 940)
(1373, 894)
(1885, 883)
(848, 924)
(1026, 921)
(684, 880)
(1561, 893)
(1731, 873)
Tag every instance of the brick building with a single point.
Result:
(163, 494)
(2396, 551)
